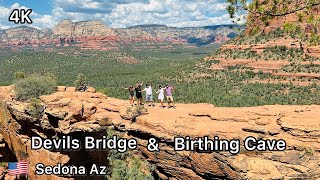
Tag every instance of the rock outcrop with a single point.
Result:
(85, 28)
(90, 113)
(284, 46)
(292, 13)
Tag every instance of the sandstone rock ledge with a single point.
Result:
(83, 113)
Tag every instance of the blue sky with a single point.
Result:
(120, 13)
(40, 6)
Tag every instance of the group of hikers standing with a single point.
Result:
(162, 92)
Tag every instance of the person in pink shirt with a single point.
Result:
(169, 90)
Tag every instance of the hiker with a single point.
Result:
(139, 93)
(169, 89)
(131, 94)
(149, 97)
(160, 93)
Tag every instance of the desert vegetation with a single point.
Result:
(257, 37)
(296, 67)
(34, 86)
(81, 82)
(276, 53)
(126, 166)
(183, 68)
(35, 108)
(134, 112)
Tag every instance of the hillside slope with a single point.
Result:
(286, 47)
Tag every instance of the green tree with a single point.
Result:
(81, 81)
(268, 9)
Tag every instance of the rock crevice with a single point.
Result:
(99, 113)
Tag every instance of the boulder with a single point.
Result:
(70, 89)
(62, 88)
(91, 89)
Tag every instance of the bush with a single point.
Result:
(314, 39)
(125, 166)
(136, 111)
(34, 87)
(292, 29)
(19, 75)
(3, 164)
(211, 62)
(35, 108)
(81, 82)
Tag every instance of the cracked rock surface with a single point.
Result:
(83, 113)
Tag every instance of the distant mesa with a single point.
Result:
(96, 35)
(84, 28)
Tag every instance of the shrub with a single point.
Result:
(255, 30)
(34, 87)
(19, 75)
(35, 108)
(135, 171)
(292, 29)
(309, 152)
(124, 166)
(53, 76)
(300, 16)
(119, 170)
(314, 39)
(211, 62)
(136, 111)
(3, 164)
(81, 83)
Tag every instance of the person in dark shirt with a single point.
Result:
(131, 94)
(139, 93)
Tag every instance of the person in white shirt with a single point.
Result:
(149, 97)
(160, 93)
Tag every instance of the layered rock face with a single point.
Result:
(85, 28)
(89, 113)
(24, 33)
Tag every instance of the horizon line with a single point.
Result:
(30, 26)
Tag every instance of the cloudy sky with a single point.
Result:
(120, 13)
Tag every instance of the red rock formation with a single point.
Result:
(278, 21)
(68, 112)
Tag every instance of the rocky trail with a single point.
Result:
(90, 113)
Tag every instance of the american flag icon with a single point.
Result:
(18, 168)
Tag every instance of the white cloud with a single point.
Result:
(4, 13)
(39, 21)
(124, 13)
(45, 21)
(4, 27)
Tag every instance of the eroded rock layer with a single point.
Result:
(90, 113)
